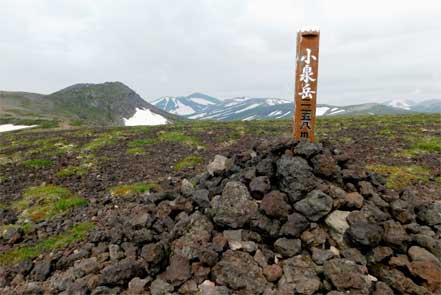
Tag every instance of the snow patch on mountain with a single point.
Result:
(400, 103)
(12, 127)
(145, 117)
(275, 113)
(254, 105)
(201, 101)
(336, 112)
(249, 118)
(276, 101)
(182, 109)
(320, 111)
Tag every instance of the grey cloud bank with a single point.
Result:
(370, 50)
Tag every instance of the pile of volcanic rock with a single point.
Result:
(292, 218)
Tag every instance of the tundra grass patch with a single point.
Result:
(425, 145)
(128, 190)
(18, 254)
(103, 140)
(73, 170)
(38, 163)
(135, 151)
(402, 176)
(46, 201)
(178, 136)
(142, 142)
(188, 162)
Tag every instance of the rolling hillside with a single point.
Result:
(106, 104)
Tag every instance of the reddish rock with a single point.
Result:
(366, 189)
(272, 272)
(219, 242)
(178, 271)
(400, 261)
(314, 237)
(200, 272)
(275, 204)
(238, 270)
(346, 274)
(428, 271)
(382, 289)
(353, 200)
(325, 165)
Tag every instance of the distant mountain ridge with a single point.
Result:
(426, 106)
(115, 104)
(105, 104)
(186, 105)
(248, 108)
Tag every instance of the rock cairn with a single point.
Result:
(294, 218)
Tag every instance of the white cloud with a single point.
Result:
(369, 49)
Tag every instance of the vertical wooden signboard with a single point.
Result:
(306, 84)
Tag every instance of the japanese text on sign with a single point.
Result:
(306, 85)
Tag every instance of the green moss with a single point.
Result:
(38, 163)
(73, 170)
(126, 190)
(65, 204)
(46, 201)
(234, 135)
(402, 176)
(135, 151)
(27, 227)
(143, 141)
(18, 254)
(345, 139)
(188, 162)
(102, 141)
(47, 146)
(178, 136)
(388, 133)
(425, 145)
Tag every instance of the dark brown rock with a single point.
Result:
(295, 225)
(365, 234)
(235, 207)
(275, 204)
(299, 276)
(394, 233)
(259, 186)
(429, 271)
(378, 254)
(397, 280)
(382, 289)
(315, 237)
(288, 247)
(345, 274)
(178, 270)
(121, 272)
(325, 165)
(353, 200)
(153, 253)
(238, 270)
(272, 272)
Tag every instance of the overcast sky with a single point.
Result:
(369, 50)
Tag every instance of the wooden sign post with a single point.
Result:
(306, 84)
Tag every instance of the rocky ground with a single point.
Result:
(139, 211)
